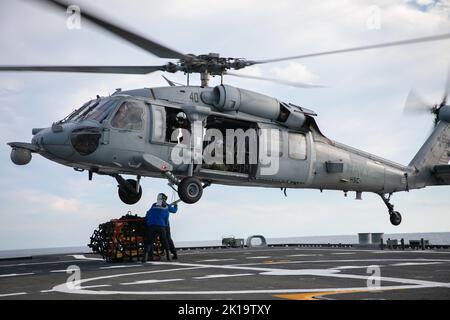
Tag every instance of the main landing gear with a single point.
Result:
(394, 216)
(189, 189)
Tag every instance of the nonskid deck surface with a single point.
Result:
(270, 273)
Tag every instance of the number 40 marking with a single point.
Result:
(194, 96)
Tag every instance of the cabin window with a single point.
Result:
(129, 116)
(159, 124)
(297, 146)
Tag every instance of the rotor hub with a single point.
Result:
(210, 63)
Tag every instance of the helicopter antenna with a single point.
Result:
(171, 83)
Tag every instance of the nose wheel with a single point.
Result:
(130, 191)
(394, 216)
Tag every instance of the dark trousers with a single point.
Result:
(170, 241)
(151, 233)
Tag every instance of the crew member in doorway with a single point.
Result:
(157, 220)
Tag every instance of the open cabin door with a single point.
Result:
(230, 147)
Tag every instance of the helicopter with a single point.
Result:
(195, 136)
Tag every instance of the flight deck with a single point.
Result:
(242, 273)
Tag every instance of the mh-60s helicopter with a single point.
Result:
(184, 133)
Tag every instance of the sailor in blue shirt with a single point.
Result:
(157, 219)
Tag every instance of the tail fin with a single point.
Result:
(431, 163)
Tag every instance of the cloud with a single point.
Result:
(296, 71)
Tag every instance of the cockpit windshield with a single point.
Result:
(97, 110)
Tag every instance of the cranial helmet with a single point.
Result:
(181, 116)
(161, 198)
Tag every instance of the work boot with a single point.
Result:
(168, 256)
(175, 256)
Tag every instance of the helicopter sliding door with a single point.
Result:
(284, 156)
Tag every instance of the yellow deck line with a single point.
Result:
(315, 295)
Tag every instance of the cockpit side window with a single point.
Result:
(129, 116)
(73, 115)
(97, 110)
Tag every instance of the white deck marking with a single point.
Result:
(414, 251)
(351, 267)
(214, 276)
(344, 253)
(149, 281)
(414, 264)
(261, 257)
(97, 286)
(122, 266)
(339, 261)
(304, 255)
(216, 260)
(81, 288)
(64, 270)
(83, 257)
(405, 283)
(12, 294)
(15, 274)
(40, 263)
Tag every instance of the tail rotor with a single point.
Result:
(416, 105)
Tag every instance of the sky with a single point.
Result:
(44, 204)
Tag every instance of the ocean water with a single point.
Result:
(442, 238)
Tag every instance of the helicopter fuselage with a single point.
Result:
(305, 158)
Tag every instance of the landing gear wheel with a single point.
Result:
(127, 196)
(190, 190)
(395, 217)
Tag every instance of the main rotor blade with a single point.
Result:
(87, 69)
(374, 46)
(415, 104)
(284, 82)
(148, 45)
